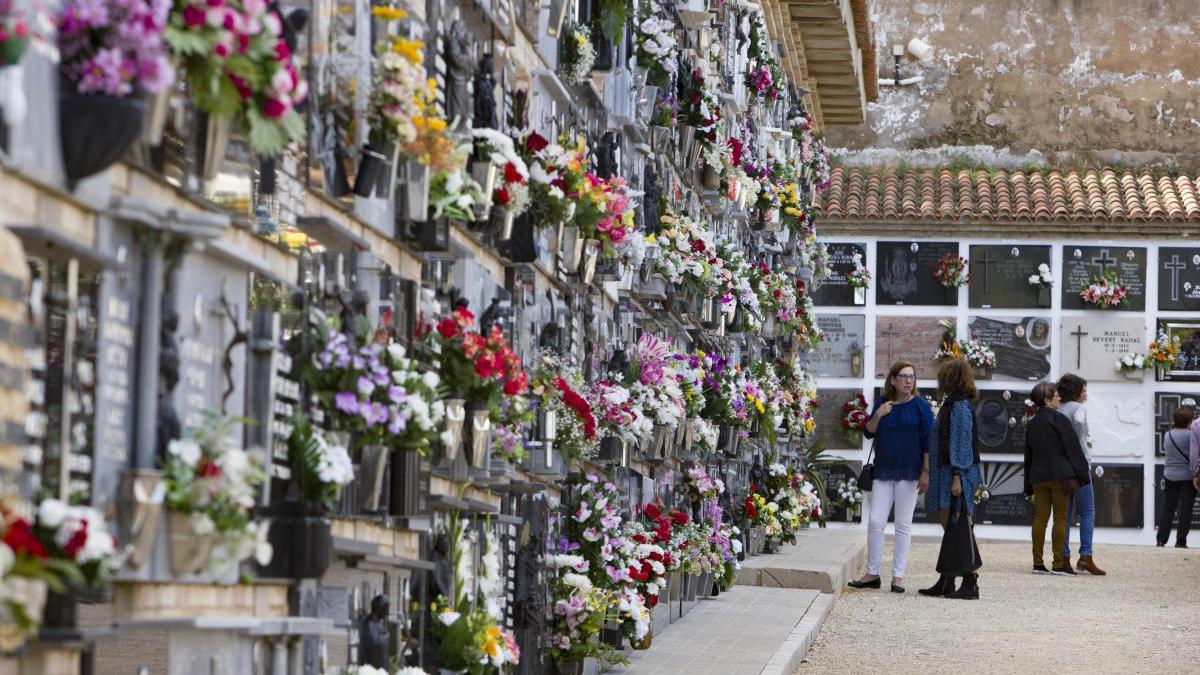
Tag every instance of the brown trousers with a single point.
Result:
(1046, 496)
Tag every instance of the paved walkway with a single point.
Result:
(1143, 617)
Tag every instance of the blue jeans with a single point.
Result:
(1085, 501)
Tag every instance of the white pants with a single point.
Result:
(885, 493)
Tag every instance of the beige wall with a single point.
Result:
(1048, 75)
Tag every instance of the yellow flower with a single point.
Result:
(651, 239)
(389, 13)
(808, 425)
(580, 40)
(793, 211)
(409, 49)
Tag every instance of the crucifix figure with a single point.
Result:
(1079, 333)
(1175, 266)
(889, 333)
(985, 260)
(1104, 260)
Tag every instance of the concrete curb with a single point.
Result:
(788, 656)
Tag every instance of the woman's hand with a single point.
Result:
(956, 486)
(884, 410)
(1196, 481)
(923, 482)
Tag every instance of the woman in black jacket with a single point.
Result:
(1055, 467)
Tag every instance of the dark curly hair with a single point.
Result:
(957, 378)
(1043, 393)
(1071, 386)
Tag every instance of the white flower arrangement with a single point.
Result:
(1132, 362)
(512, 188)
(848, 494)
(578, 54)
(860, 276)
(1043, 278)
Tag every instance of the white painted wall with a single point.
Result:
(1120, 414)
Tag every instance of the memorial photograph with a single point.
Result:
(1184, 335)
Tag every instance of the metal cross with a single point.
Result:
(1104, 260)
(890, 332)
(985, 261)
(1175, 266)
(1079, 333)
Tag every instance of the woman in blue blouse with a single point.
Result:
(957, 468)
(901, 424)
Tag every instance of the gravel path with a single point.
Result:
(1143, 617)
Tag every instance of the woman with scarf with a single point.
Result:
(954, 445)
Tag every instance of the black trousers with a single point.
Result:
(1180, 494)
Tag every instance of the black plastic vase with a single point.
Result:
(95, 129)
(302, 541)
(371, 166)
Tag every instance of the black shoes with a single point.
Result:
(897, 589)
(865, 584)
(969, 589)
(1040, 569)
(943, 586)
(1063, 570)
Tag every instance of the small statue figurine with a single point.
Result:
(650, 217)
(458, 71)
(374, 637)
(485, 95)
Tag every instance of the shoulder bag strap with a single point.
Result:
(1178, 449)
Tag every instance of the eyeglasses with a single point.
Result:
(906, 377)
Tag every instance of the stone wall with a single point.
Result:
(1080, 76)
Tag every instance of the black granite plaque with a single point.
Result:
(1118, 491)
(1022, 344)
(1165, 404)
(904, 273)
(1000, 420)
(1159, 495)
(1082, 264)
(1006, 503)
(1179, 278)
(836, 289)
(834, 474)
(1000, 275)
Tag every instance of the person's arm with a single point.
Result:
(1193, 448)
(881, 410)
(927, 427)
(1029, 434)
(1073, 451)
(962, 454)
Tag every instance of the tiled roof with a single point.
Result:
(1000, 196)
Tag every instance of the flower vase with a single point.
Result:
(570, 247)
(372, 165)
(95, 129)
(591, 254)
(484, 173)
(158, 107)
(568, 667)
(1135, 374)
(649, 97)
(660, 138)
(216, 141)
(856, 362)
(860, 295)
(481, 434)
(1043, 297)
(709, 178)
(373, 469)
(456, 414)
(981, 373)
(687, 144)
(416, 191)
(303, 543)
(849, 515)
(1160, 373)
(706, 585)
(643, 644)
(188, 550)
(504, 232)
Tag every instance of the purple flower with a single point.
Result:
(346, 402)
(365, 386)
(396, 394)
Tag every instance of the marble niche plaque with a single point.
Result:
(904, 273)
(1091, 345)
(1000, 276)
(829, 415)
(836, 290)
(840, 354)
(915, 338)
(1179, 278)
(1165, 404)
(1082, 264)
(1022, 344)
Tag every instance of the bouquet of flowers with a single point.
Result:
(724, 392)
(656, 46)
(1163, 351)
(977, 352)
(1043, 278)
(452, 192)
(701, 486)
(649, 561)
(656, 385)
(951, 271)
(214, 482)
(798, 390)
(76, 537)
(512, 190)
(400, 93)
(860, 276)
(321, 465)
(701, 109)
(814, 154)
(576, 54)
(854, 417)
(15, 34)
(666, 110)
(115, 48)
(849, 496)
(1132, 362)
(1105, 291)
(478, 368)
(237, 64)
(371, 389)
(764, 77)
(557, 388)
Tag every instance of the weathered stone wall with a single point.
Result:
(1049, 75)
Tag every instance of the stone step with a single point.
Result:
(822, 560)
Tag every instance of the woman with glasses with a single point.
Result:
(900, 425)
(1055, 469)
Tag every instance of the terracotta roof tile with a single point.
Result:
(1088, 195)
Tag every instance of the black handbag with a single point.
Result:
(867, 475)
(960, 553)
